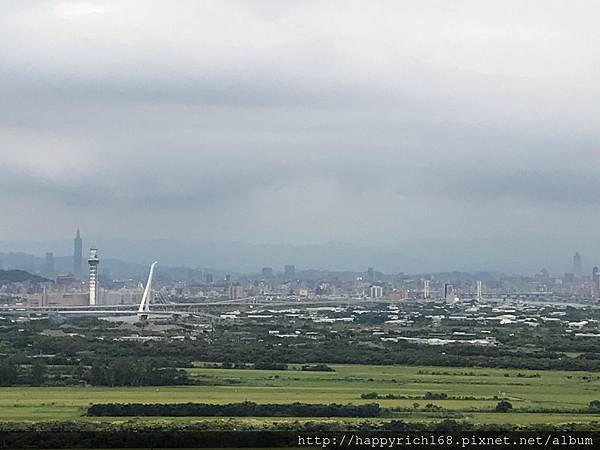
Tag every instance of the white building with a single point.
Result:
(376, 291)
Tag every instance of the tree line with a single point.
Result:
(134, 372)
(127, 371)
(245, 409)
(12, 373)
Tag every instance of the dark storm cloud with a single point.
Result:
(152, 188)
(576, 187)
(221, 89)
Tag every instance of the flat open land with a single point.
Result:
(528, 391)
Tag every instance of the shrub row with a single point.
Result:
(245, 409)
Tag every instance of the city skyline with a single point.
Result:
(580, 265)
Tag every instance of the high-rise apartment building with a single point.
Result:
(375, 291)
(596, 282)
(425, 288)
(479, 289)
(49, 266)
(448, 291)
(577, 264)
(236, 291)
(289, 271)
(370, 274)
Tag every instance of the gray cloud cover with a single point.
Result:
(301, 122)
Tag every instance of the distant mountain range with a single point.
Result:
(131, 257)
(110, 268)
(26, 265)
(19, 276)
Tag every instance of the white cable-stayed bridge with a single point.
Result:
(152, 304)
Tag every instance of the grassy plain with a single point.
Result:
(527, 392)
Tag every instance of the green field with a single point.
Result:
(552, 390)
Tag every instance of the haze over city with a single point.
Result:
(412, 138)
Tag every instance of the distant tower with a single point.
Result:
(448, 291)
(425, 289)
(78, 255)
(93, 262)
(596, 281)
(479, 289)
(289, 271)
(49, 268)
(577, 264)
(370, 274)
(267, 272)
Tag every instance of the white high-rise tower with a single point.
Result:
(93, 261)
(425, 288)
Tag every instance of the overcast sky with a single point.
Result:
(301, 122)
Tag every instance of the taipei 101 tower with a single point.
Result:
(78, 255)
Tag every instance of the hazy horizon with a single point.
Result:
(242, 257)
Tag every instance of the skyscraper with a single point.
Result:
(93, 261)
(448, 291)
(289, 271)
(425, 288)
(78, 255)
(49, 268)
(596, 281)
(577, 264)
(370, 274)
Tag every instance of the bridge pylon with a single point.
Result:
(144, 307)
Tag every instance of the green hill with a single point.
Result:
(19, 276)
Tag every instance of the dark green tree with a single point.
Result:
(503, 406)
(9, 375)
(594, 406)
(38, 373)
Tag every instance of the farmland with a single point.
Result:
(550, 397)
